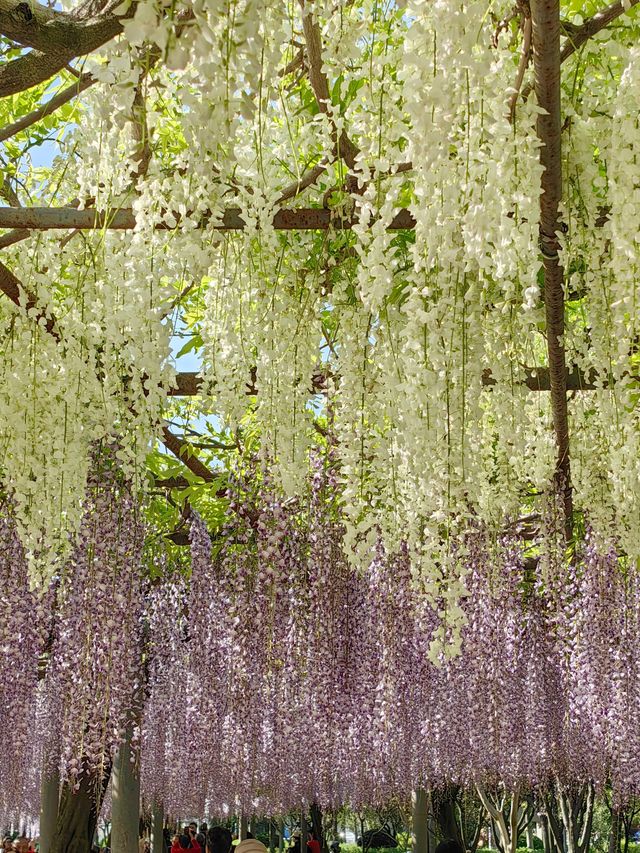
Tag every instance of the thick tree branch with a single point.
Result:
(11, 287)
(345, 148)
(184, 452)
(592, 27)
(296, 62)
(171, 482)
(8, 193)
(29, 70)
(56, 38)
(12, 237)
(309, 178)
(545, 16)
(50, 31)
(50, 107)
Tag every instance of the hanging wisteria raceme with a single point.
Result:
(24, 633)
(93, 677)
(165, 752)
(296, 678)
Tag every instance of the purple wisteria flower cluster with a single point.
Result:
(278, 673)
(23, 635)
(287, 676)
(94, 668)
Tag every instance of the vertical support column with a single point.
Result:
(303, 832)
(530, 833)
(420, 821)
(125, 796)
(545, 17)
(242, 827)
(157, 829)
(281, 835)
(49, 801)
(272, 835)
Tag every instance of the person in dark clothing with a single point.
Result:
(296, 845)
(449, 845)
(201, 836)
(219, 840)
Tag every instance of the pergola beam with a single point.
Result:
(123, 219)
(189, 383)
(24, 220)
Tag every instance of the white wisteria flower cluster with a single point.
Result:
(417, 349)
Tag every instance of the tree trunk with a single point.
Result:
(49, 799)
(545, 16)
(303, 833)
(316, 826)
(420, 827)
(569, 811)
(78, 815)
(614, 834)
(509, 813)
(547, 841)
(530, 836)
(157, 829)
(125, 806)
(443, 803)
(243, 827)
(281, 835)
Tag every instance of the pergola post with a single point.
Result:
(243, 826)
(49, 800)
(125, 793)
(157, 828)
(420, 823)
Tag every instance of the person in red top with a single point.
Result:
(186, 842)
(313, 845)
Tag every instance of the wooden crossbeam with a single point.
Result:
(189, 384)
(123, 219)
